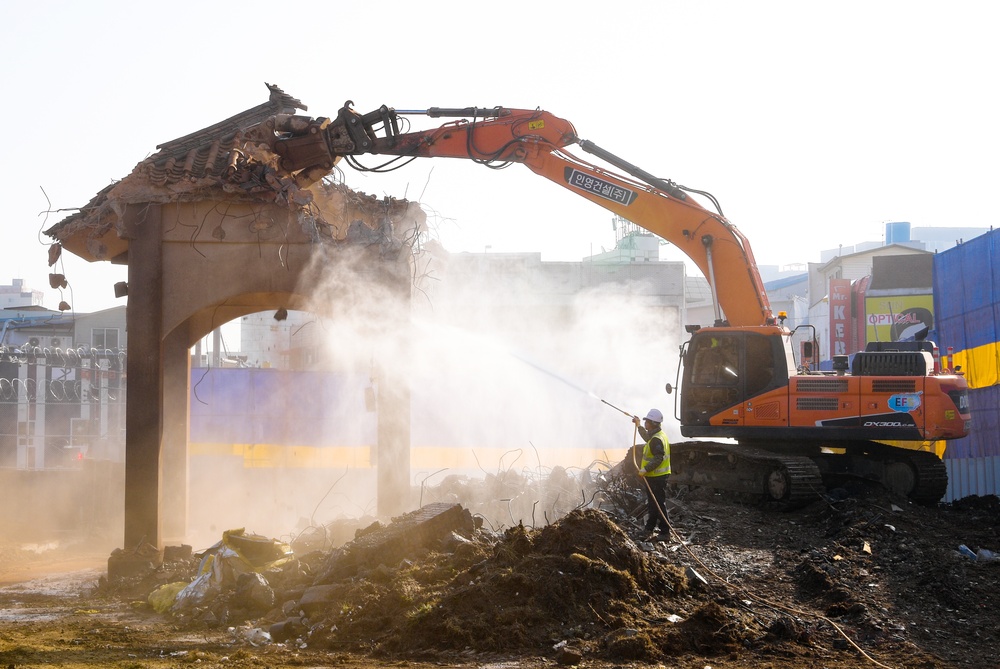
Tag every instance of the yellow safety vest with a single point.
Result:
(647, 455)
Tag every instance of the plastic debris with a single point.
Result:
(221, 566)
(256, 636)
(164, 596)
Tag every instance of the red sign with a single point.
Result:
(840, 316)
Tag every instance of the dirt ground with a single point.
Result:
(864, 580)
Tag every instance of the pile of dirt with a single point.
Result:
(862, 577)
(865, 574)
(529, 590)
(870, 574)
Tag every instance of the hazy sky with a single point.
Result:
(812, 123)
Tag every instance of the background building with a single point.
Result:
(62, 421)
(61, 387)
(927, 238)
(835, 311)
(17, 294)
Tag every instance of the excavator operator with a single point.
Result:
(654, 469)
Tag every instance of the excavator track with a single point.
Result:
(776, 480)
(919, 475)
(931, 478)
(784, 481)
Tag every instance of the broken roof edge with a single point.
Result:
(220, 163)
(58, 230)
(278, 103)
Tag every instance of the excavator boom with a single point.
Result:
(498, 136)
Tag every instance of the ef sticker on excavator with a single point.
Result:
(905, 402)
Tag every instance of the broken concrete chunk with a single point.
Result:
(426, 527)
(317, 597)
(567, 655)
(254, 592)
(177, 553)
(695, 576)
(286, 629)
(138, 562)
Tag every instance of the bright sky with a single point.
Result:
(812, 123)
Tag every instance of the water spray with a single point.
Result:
(567, 382)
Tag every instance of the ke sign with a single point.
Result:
(840, 316)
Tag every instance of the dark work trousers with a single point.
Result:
(656, 495)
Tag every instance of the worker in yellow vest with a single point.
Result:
(655, 468)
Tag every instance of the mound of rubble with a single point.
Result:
(433, 582)
(580, 579)
(866, 577)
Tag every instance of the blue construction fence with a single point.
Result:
(967, 310)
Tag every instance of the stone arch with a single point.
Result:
(182, 287)
(185, 279)
(212, 227)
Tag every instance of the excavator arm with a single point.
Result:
(498, 136)
(739, 382)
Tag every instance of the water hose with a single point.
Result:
(753, 596)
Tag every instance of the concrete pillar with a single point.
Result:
(176, 433)
(144, 415)
(393, 496)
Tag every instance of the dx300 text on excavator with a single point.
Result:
(792, 430)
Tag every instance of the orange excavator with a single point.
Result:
(793, 430)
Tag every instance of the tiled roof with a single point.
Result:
(192, 158)
(228, 161)
(206, 152)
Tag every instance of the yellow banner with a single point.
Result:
(421, 457)
(893, 318)
(981, 365)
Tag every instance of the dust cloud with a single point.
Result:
(510, 365)
(506, 366)
(482, 363)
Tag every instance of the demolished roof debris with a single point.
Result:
(227, 162)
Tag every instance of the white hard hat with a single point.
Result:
(655, 416)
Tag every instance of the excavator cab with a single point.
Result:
(726, 367)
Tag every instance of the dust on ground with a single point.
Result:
(865, 580)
